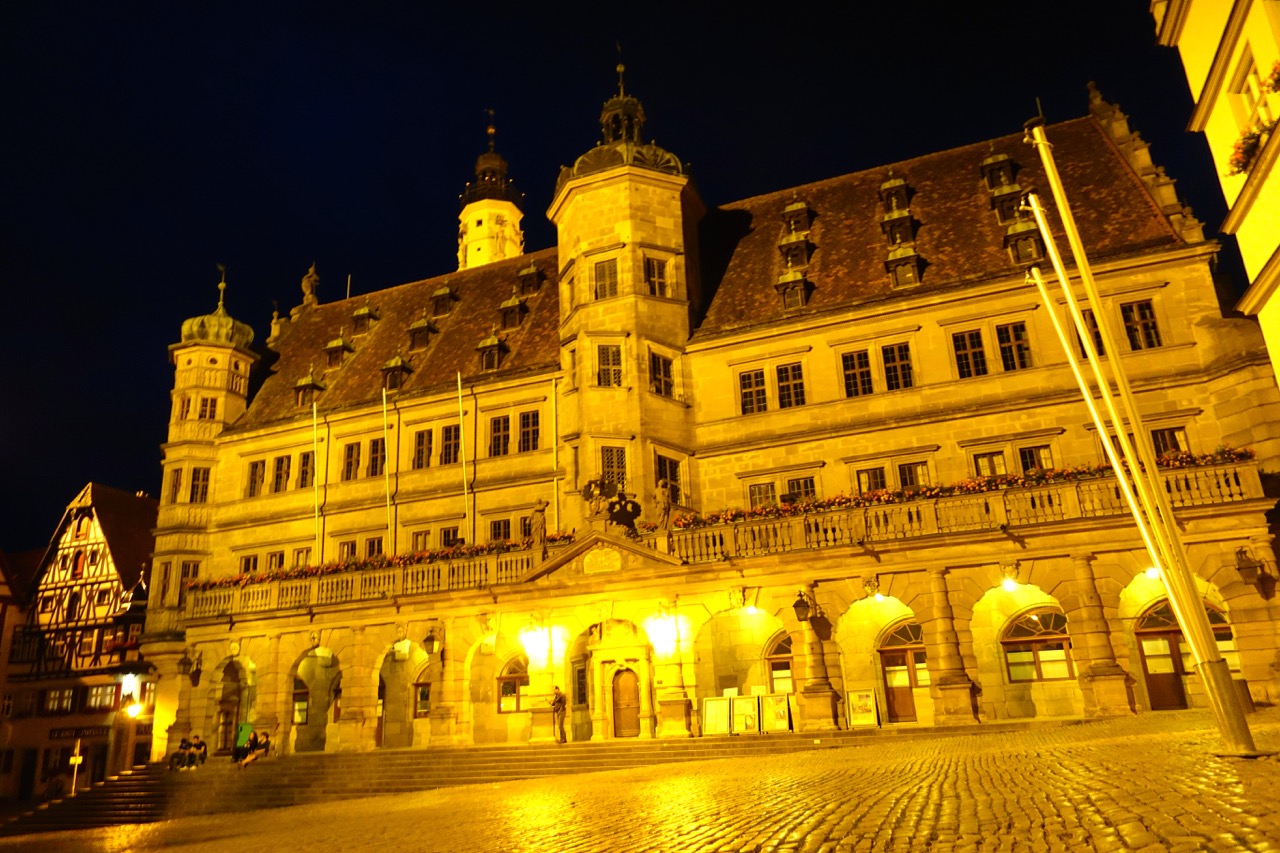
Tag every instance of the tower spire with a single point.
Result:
(489, 223)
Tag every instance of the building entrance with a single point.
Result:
(626, 704)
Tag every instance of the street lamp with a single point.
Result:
(803, 606)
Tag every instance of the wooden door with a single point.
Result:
(1162, 663)
(900, 703)
(626, 704)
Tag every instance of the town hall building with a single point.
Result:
(805, 461)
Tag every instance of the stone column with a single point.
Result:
(444, 713)
(952, 690)
(819, 704)
(269, 701)
(356, 729)
(673, 699)
(1103, 681)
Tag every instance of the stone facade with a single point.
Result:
(450, 496)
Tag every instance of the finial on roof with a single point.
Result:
(222, 285)
(491, 130)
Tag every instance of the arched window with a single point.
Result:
(301, 702)
(77, 567)
(514, 676)
(1160, 620)
(902, 660)
(778, 665)
(1036, 647)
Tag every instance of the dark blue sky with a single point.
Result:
(144, 143)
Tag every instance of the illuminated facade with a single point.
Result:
(1231, 55)
(74, 676)
(419, 523)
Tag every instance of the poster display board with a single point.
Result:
(745, 714)
(775, 712)
(715, 716)
(861, 705)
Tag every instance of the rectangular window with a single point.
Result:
(801, 489)
(1169, 440)
(373, 546)
(606, 279)
(248, 564)
(101, 697)
(421, 700)
(280, 474)
(609, 366)
(184, 408)
(421, 540)
(275, 560)
(1015, 349)
(199, 486)
(526, 527)
(1091, 323)
(790, 386)
(530, 431)
(970, 358)
(257, 477)
(1034, 457)
(421, 449)
(989, 464)
(660, 381)
(655, 276)
(857, 373)
(58, 700)
(500, 530)
(306, 469)
(351, 461)
(88, 643)
(347, 550)
(1140, 325)
(580, 685)
(377, 457)
(751, 387)
(175, 485)
(897, 366)
(762, 494)
(669, 470)
(208, 408)
(871, 479)
(448, 537)
(500, 436)
(613, 464)
(913, 474)
(450, 444)
(302, 556)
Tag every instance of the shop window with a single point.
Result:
(1036, 647)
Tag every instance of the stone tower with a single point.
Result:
(489, 224)
(626, 216)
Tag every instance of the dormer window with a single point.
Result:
(997, 171)
(893, 195)
(337, 350)
(795, 251)
(530, 280)
(306, 389)
(795, 218)
(442, 302)
(794, 289)
(363, 319)
(491, 351)
(512, 311)
(419, 338)
(1008, 206)
(394, 373)
(903, 266)
(897, 227)
(1024, 243)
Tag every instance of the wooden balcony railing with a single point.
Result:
(853, 526)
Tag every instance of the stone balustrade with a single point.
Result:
(977, 512)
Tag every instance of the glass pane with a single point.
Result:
(1054, 669)
(1155, 646)
(1160, 665)
(1022, 671)
(897, 677)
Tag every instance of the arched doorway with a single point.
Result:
(626, 704)
(902, 661)
(1166, 656)
(779, 665)
(315, 682)
(230, 707)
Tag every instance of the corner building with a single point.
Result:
(885, 495)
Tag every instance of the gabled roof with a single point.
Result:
(957, 232)
(127, 521)
(477, 296)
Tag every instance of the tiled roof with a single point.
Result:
(957, 233)
(478, 295)
(127, 522)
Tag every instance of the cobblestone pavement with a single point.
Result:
(1149, 783)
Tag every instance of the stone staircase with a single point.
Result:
(151, 793)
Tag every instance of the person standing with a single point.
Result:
(559, 705)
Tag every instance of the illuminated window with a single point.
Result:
(101, 697)
(778, 664)
(989, 464)
(421, 699)
(1034, 457)
(301, 702)
(58, 700)
(512, 685)
(1036, 647)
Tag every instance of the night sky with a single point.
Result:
(145, 143)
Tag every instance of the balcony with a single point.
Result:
(992, 511)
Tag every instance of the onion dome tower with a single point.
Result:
(489, 224)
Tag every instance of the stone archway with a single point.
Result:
(404, 667)
(1009, 690)
(869, 634)
(318, 674)
(620, 657)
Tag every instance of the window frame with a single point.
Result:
(970, 354)
(608, 365)
(605, 287)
